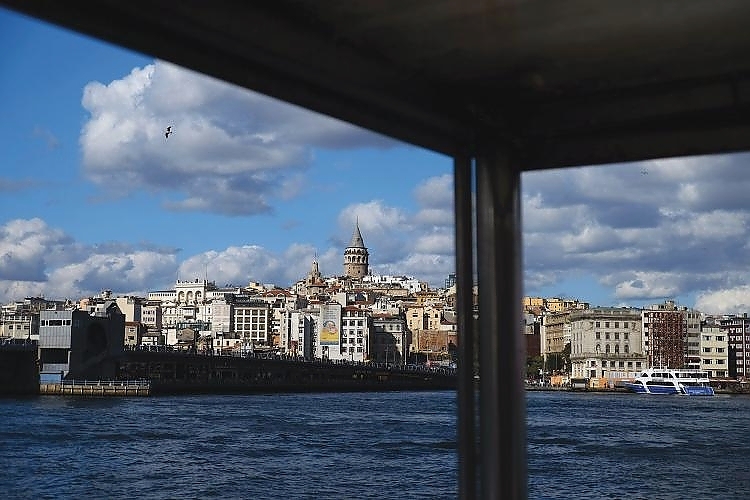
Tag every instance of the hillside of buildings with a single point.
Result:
(362, 317)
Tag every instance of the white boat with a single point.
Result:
(671, 381)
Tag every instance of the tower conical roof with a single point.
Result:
(357, 241)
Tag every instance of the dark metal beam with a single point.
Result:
(502, 399)
(467, 401)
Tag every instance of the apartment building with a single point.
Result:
(606, 343)
(737, 330)
(714, 349)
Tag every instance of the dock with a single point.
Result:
(96, 388)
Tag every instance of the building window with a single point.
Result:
(598, 336)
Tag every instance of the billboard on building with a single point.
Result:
(330, 317)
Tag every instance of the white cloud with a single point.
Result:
(231, 151)
(729, 301)
(650, 230)
(25, 246)
(39, 260)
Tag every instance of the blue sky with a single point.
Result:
(93, 196)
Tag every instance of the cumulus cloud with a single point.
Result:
(649, 230)
(231, 151)
(729, 301)
(39, 260)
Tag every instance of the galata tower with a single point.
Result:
(356, 256)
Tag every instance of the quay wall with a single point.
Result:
(97, 388)
(19, 370)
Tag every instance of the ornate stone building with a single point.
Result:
(356, 257)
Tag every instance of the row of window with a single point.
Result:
(616, 324)
(351, 341)
(625, 349)
(353, 322)
(620, 364)
(625, 335)
(55, 322)
(346, 333)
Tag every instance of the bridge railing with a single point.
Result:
(443, 370)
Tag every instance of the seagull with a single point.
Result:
(167, 132)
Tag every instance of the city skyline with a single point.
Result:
(245, 188)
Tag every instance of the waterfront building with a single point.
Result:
(671, 335)
(714, 349)
(531, 331)
(554, 335)
(20, 319)
(737, 330)
(79, 344)
(606, 343)
(429, 330)
(356, 257)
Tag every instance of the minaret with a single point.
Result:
(356, 256)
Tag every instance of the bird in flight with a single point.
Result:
(167, 132)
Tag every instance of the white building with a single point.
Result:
(356, 325)
(606, 343)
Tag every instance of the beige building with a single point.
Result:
(714, 348)
(606, 343)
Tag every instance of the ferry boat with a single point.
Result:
(671, 381)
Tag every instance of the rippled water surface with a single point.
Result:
(373, 445)
(365, 445)
(627, 446)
